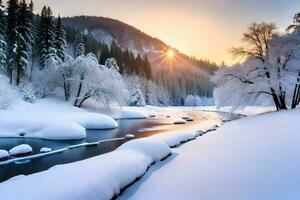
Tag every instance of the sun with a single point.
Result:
(170, 53)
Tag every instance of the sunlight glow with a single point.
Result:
(170, 53)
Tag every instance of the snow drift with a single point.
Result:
(252, 158)
(104, 176)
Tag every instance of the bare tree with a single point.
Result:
(257, 41)
(296, 23)
(293, 27)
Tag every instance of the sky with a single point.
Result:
(201, 28)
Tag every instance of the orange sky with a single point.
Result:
(201, 28)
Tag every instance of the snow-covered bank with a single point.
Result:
(252, 158)
(51, 119)
(104, 176)
(30, 125)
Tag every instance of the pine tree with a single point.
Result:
(2, 37)
(147, 68)
(33, 41)
(47, 36)
(23, 44)
(60, 39)
(104, 54)
(116, 52)
(138, 65)
(11, 30)
(79, 46)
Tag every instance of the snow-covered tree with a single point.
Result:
(20, 57)
(111, 63)
(91, 80)
(271, 74)
(134, 86)
(66, 70)
(60, 40)
(11, 30)
(192, 100)
(296, 23)
(156, 95)
(2, 38)
(48, 54)
(79, 46)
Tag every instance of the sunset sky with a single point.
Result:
(202, 28)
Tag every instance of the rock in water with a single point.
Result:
(3, 154)
(20, 150)
(45, 150)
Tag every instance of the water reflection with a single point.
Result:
(152, 126)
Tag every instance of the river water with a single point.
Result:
(139, 128)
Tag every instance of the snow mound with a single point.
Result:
(179, 121)
(45, 150)
(129, 136)
(187, 118)
(107, 174)
(130, 115)
(18, 124)
(20, 150)
(92, 120)
(3, 154)
(174, 139)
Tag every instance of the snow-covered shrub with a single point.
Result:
(111, 63)
(28, 94)
(47, 79)
(7, 94)
(91, 80)
(192, 100)
(156, 95)
(135, 86)
(31, 92)
(137, 98)
(207, 101)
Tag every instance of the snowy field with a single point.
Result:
(256, 158)
(251, 158)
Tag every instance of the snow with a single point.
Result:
(251, 158)
(20, 149)
(102, 36)
(30, 125)
(192, 100)
(187, 118)
(129, 136)
(91, 120)
(129, 114)
(173, 139)
(104, 175)
(3, 154)
(179, 121)
(51, 119)
(45, 150)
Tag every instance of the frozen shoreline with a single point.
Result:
(252, 158)
(118, 169)
(54, 119)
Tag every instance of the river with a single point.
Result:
(140, 128)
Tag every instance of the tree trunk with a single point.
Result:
(275, 99)
(296, 96)
(83, 100)
(79, 90)
(66, 89)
